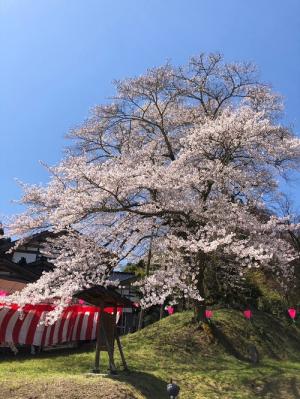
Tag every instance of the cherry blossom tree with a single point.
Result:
(182, 157)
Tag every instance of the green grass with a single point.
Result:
(209, 361)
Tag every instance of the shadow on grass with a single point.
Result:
(226, 343)
(276, 389)
(149, 385)
(64, 361)
(275, 385)
(24, 353)
(295, 388)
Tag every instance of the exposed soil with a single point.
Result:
(68, 388)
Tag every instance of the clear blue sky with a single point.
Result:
(59, 57)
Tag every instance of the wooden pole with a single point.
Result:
(96, 369)
(112, 366)
(117, 338)
(161, 311)
(122, 353)
(141, 318)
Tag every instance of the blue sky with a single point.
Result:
(59, 57)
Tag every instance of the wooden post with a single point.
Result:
(141, 318)
(96, 369)
(112, 366)
(117, 338)
(161, 311)
(121, 353)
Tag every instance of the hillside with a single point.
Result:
(213, 361)
(207, 362)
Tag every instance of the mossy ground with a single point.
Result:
(207, 361)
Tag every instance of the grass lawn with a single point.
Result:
(207, 362)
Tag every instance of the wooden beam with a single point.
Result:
(121, 353)
(110, 351)
(116, 337)
(96, 369)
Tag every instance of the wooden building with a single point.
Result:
(26, 263)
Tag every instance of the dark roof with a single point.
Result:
(5, 245)
(28, 272)
(99, 295)
(11, 286)
(31, 272)
(34, 240)
(19, 272)
(123, 277)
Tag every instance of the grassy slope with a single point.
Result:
(209, 362)
(201, 361)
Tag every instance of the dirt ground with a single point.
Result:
(58, 388)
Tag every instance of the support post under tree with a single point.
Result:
(121, 353)
(117, 339)
(141, 318)
(161, 311)
(110, 351)
(96, 369)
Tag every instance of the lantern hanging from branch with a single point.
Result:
(208, 314)
(170, 310)
(292, 313)
(248, 314)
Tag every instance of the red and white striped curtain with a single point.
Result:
(77, 322)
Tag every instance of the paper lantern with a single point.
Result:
(248, 314)
(208, 313)
(170, 310)
(292, 313)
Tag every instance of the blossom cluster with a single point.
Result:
(185, 158)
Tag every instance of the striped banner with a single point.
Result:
(77, 323)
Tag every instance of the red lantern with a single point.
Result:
(208, 313)
(170, 310)
(248, 314)
(292, 313)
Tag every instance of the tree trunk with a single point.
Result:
(141, 315)
(199, 311)
(161, 312)
(200, 306)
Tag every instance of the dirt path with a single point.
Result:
(66, 388)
